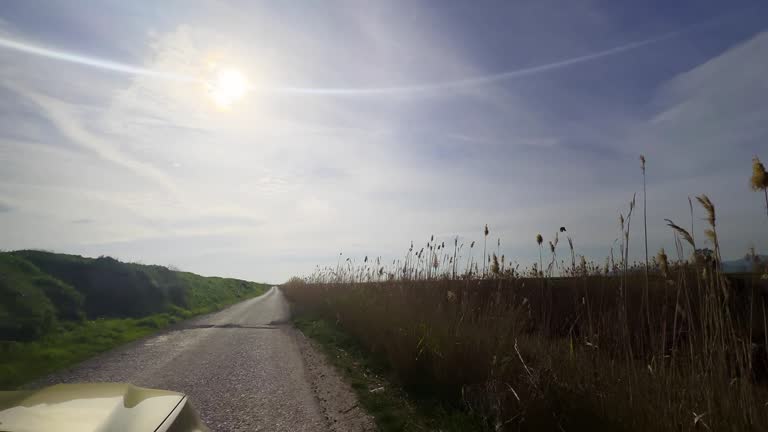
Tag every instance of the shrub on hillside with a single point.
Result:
(66, 300)
(25, 311)
(112, 288)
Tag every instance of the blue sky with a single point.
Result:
(372, 124)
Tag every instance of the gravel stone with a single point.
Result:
(241, 368)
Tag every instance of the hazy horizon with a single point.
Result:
(259, 139)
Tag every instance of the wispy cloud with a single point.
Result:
(69, 122)
(716, 107)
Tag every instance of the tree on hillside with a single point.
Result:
(759, 179)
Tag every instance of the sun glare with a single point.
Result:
(228, 87)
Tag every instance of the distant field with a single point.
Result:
(57, 310)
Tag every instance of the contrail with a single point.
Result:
(485, 79)
(479, 80)
(360, 91)
(90, 61)
(503, 76)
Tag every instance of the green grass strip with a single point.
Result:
(392, 408)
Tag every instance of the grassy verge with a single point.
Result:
(73, 342)
(393, 408)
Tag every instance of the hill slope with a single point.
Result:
(745, 265)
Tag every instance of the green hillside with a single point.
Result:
(31, 302)
(57, 309)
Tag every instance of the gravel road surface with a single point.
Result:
(242, 367)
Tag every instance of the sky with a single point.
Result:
(363, 126)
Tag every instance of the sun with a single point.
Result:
(228, 87)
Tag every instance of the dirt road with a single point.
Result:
(242, 368)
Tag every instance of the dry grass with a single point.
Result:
(674, 345)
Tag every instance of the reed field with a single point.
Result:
(672, 343)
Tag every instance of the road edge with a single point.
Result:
(337, 400)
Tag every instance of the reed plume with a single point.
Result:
(663, 263)
(759, 179)
(495, 265)
(539, 241)
(485, 243)
(682, 232)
